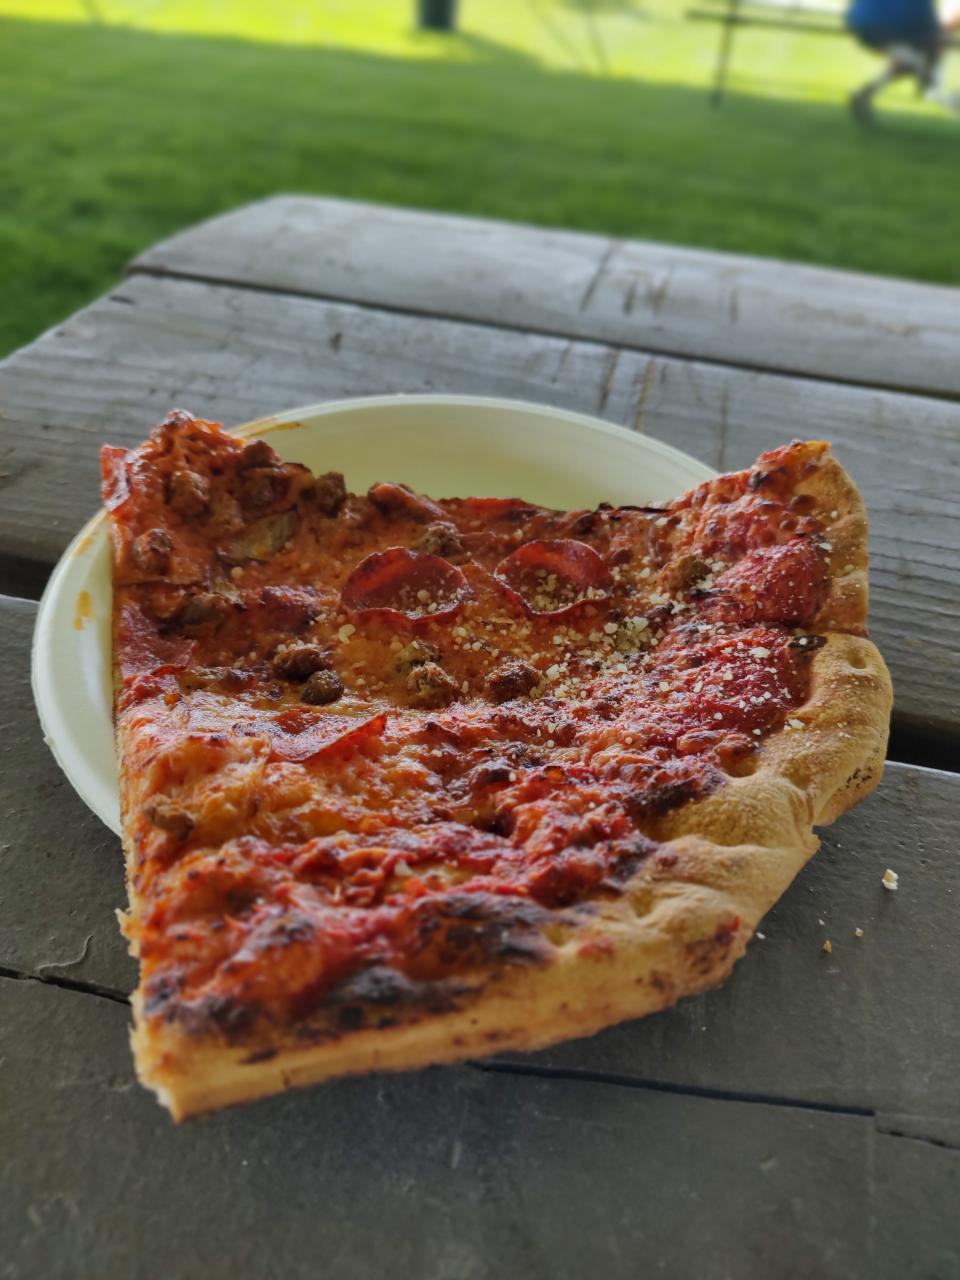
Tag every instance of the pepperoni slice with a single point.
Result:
(788, 584)
(553, 578)
(299, 735)
(398, 584)
(141, 648)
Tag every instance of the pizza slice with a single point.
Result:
(406, 781)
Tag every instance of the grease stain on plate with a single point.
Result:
(88, 540)
(83, 611)
(271, 426)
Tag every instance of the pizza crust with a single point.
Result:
(670, 935)
(681, 923)
(674, 951)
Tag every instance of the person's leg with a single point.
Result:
(861, 102)
(933, 84)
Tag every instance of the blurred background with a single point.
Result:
(124, 120)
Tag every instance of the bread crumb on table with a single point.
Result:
(890, 880)
(827, 946)
(858, 932)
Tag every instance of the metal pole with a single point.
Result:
(726, 49)
(437, 15)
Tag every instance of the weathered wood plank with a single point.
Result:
(235, 354)
(864, 1026)
(61, 875)
(447, 1175)
(752, 312)
(113, 369)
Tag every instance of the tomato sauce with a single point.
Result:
(375, 742)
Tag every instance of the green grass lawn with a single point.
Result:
(123, 120)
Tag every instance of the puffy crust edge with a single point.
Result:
(688, 941)
(683, 922)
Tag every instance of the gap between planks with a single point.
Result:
(883, 1124)
(66, 984)
(650, 348)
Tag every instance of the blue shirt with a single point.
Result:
(898, 18)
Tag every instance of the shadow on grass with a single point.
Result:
(114, 138)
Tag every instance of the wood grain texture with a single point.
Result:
(866, 1026)
(234, 354)
(443, 1175)
(60, 868)
(753, 312)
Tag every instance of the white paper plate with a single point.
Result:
(447, 446)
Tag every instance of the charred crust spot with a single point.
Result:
(579, 871)
(382, 986)
(759, 477)
(807, 644)
(628, 859)
(470, 930)
(379, 985)
(151, 551)
(261, 1055)
(231, 1018)
(160, 994)
(364, 996)
(665, 788)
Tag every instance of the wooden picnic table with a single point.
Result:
(804, 1120)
